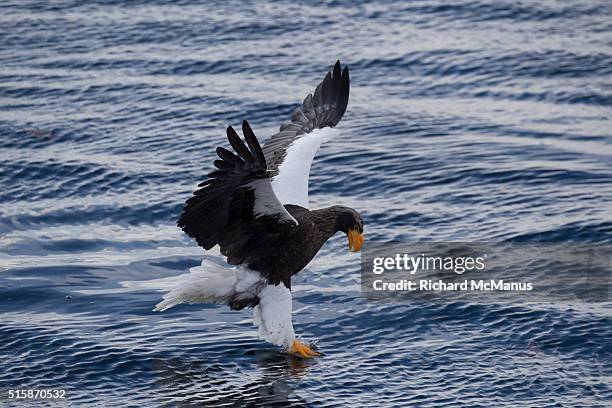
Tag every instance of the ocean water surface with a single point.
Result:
(467, 121)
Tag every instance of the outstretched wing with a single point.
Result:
(236, 207)
(289, 152)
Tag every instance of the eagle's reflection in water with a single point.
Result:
(270, 383)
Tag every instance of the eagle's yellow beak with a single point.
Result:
(355, 239)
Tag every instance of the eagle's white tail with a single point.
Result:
(213, 283)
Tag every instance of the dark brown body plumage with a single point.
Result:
(297, 247)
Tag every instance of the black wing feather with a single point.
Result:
(323, 108)
(229, 157)
(251, 140)
(224, 210)
(239, 145)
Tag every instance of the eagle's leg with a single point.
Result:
(300, 349)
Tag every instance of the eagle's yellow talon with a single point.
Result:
(302, 350)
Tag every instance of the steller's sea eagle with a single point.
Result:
(255, 208)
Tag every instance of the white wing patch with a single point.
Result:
(291, 183)
(266, 202)
(273, 315)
